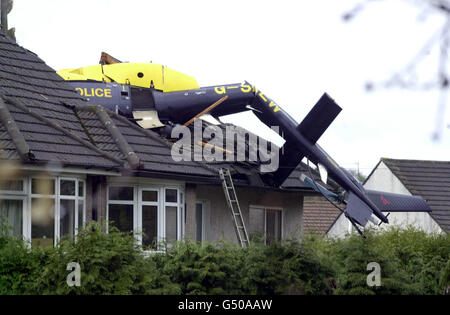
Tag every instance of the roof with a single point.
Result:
(428, 179)
(248, 171)
(52, 123)
(43, 119)
(318, 214)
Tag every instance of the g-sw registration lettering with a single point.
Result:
(98, 92)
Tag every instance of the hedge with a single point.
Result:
(411, 262)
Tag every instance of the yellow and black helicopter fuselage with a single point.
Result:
(156, 96)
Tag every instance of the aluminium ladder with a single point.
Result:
(233, 204)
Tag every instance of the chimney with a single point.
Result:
(5, 8)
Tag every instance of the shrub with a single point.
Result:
(284, 268)
(411, 261)
(110, 264)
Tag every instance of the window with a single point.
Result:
(155, 211)
(199, 222)
(42, 222)
(150, 214)
(43, 212)
(202, 220)
(11, 210)
(13, 205)
(57, 209)
(273, 225)
(265, 224)
(15, 185)
(171, 209)
(43, 209)
(71, 207)
(121, 208)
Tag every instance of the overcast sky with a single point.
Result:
(293, 51)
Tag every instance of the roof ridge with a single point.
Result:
(412, 160)
(63, 130)
(118, 137)
(145, 132)
(14, 132)
(153, 136)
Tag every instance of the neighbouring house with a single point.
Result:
(65, 162)
(428, 179)
(318, 215)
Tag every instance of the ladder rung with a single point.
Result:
(236, 213)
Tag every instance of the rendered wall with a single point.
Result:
(221, 226)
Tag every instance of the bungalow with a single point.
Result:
(428, 179)
(65, 162)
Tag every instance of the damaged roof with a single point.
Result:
(55, 124)
(43, 119)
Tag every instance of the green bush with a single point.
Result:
(411, 261)
(194, 268)
(19, 266)
(284, 268)
(110, 264)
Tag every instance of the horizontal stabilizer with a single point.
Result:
(319, 118)
(319, 188)
(358, 210)
(290, 158)
(397, 202)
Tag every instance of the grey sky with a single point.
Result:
(292, 50)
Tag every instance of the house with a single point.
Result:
(65, 162)
(428, 179)
(318, 215)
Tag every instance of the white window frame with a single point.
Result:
(75, 197)
(19, 195)
(159, 214)
(30, 198)
(161, 208)
(4, 192)
(173, 204)
(121, 202)
(26, 195)
(24, 200)
(265, 208)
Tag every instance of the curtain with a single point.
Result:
(11, 211)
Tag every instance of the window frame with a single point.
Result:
(206, 207)
(159, 213)
(24, 200)
(265, 208)
(26, 195)
(23, 192)
(179, 210)
(75, 197)
(121, 202)
(19, 195)
(161, 205)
